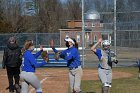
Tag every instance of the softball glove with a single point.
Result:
(45, 56)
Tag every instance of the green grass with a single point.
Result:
(123, 85)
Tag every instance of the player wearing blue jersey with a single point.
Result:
(72, 56)
(106, 58)
(29, 64)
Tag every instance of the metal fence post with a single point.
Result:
(115, 50)
(83, 34)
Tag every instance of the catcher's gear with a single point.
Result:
(56, 56)
(106, 43)
(111, 58)
(45, 56)
(105, 89)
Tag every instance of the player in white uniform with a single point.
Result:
(106, 57)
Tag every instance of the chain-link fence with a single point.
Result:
(120, 24)
(38, 38)
(127, 47)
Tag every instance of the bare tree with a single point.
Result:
(74, 9)
(11, 15)
(49, 14)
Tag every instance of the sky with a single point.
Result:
(63, 1)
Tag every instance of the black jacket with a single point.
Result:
(12, 56)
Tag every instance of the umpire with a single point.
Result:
(12, 63)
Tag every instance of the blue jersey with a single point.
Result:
(29, 62)
(71, 55)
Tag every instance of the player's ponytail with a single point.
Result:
(76, 44)
(27, 44)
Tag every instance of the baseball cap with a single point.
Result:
(69, 40)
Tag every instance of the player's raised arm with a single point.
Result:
(36, 55)
(52, 46)
(52, 43)
(93, 48)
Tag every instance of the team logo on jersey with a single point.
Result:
(68, 54)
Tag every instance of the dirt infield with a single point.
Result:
(56, 79)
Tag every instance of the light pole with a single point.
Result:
(83, 34)
(115, 50)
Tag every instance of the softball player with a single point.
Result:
(73, 63)
(28, 68)
(106, 57)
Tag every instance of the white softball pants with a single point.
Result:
(75, 77)
(105, 76)
(29, 78)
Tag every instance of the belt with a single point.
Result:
(72, 68)
(104, 68)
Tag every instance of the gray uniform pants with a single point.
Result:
(75, 77)
(105, 75)
(29, 78)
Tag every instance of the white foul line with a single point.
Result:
(40, 82)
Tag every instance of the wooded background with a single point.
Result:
(47, 16)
